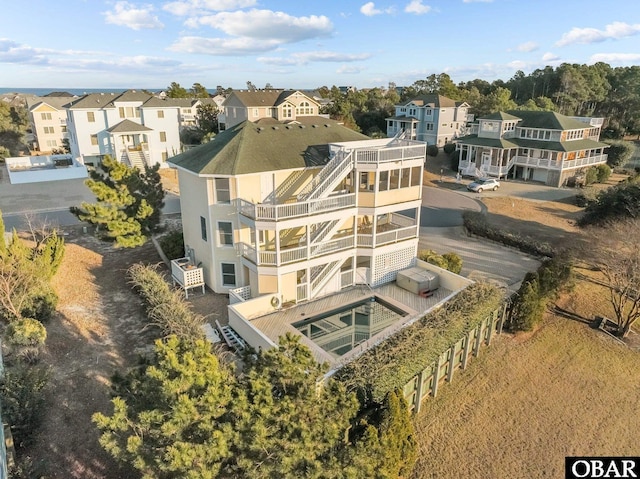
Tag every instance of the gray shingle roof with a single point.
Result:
(548, 120)
(436, 101)
(249, 148)
(575, 145)
(500, 116)
(128, 126)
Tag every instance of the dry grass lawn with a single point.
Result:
(528, 402)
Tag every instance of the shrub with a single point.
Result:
(476, 223)
(591, 177)
(41, 306)
(527, 306)
(454, 262)
(166, 308)
(23, 402)
(27, 332)
(617, 202)
(449, 148)
(604, 172)
(432, 150)
(173, 244)
(585, 197)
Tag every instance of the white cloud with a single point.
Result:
(135, 17)
(349, 69)
(416, 6)
(192, 7)
(267, 25)
(517, 65)
(477, 1)
(550, 57)
(615, 30)
(527, 47)
(223, 46)
(303, 58)
(369, 9)
(617, 58)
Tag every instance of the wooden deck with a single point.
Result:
(279, 323)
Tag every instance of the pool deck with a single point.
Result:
(279, 323)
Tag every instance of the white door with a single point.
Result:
(267, 188)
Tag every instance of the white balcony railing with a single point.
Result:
(560, 165)
(293, 255)
(239, 295)
(346, 278)
(302, 292)
(295, 210)
(385, 155)
(393, 236)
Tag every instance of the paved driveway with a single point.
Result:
(443, 208)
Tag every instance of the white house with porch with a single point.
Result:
(134, 127)
(542, 146)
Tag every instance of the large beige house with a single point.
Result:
(48, 119)
(286, 213)
(542, 146)
(280, 105)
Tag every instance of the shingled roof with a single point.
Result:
(249, 148)
(548, 120)
(433, 100)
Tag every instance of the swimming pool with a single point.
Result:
(340, 330)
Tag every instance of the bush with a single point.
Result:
(449, 148)
(617, 202)
(432, 150)
(27, 332)
(166, 308)
(604, 172)
(585, 197)
(449, 261)
(591, 177)
(527, 306)
(454, 262)
(42, 306)
(476, 223)
(173, 244)
(23, 402)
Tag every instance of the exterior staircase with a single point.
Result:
(320, 276)
(137, 159)
(324, 182)
(282, 192)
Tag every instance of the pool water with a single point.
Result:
(341, 330)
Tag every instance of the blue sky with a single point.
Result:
(304, 43)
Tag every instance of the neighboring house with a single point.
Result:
(134, 127)
(540, 146)
(48, 118)
(436, 119)
(290, 212)
(279, 105)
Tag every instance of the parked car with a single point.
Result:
(481, 184)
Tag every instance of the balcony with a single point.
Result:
(265, 212)
(560, 165)
(407, 151)
(399, 228)
(294, 254)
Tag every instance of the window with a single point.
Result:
(94, 140)
(165, 156)
(129, 111)
(428, 112)
(304, 108)
(415, 176)
(203, 228)
(429, 126)
(223, 193)
(91, 117)
(187, 111)
(45, 116)
(163, 136)
(367, 181)
(383, 184)
(160, 113)
(121, 112)
(225, 233)
(405, 178)
(287, 111)
(394, 180)
(63, 128)
(52, 143)
(256, 112)
(48, 129)
(228, 274)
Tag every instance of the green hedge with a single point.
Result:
(166, 307)
(392, 363)
(476, 223)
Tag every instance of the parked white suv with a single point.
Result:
(481, 184)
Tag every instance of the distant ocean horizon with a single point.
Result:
(73, 91)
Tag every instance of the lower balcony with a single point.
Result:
(289, 255)
(398, 228)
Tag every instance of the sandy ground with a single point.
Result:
(99, 329)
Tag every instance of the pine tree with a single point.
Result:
(289, 424)
(3, 245)
(128, 206)
(169, 415)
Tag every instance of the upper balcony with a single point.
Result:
(267, 212)
(402, 150)
(560, 165)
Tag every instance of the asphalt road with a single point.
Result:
(443, 208)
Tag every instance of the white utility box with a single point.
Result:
(186, 274)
